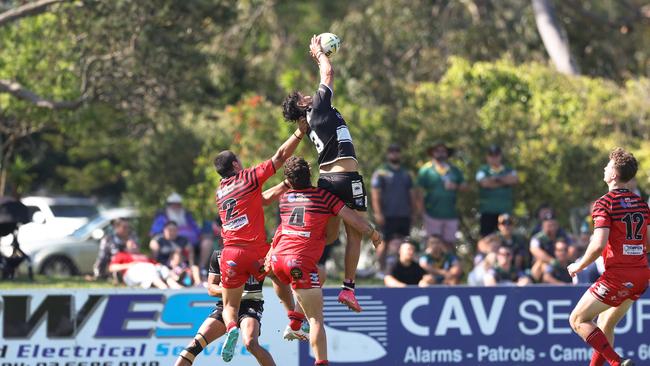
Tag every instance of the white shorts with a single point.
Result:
(143, 274)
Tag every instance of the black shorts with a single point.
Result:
(396, 227)
(348, 187)
(247, 309)
(327, 252)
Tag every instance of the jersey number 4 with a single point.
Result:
(297, 217)
(229, 206)
(632, 231)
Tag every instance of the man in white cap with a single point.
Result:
(174, 211)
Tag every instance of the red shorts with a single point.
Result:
(238, 263)
(617, 285)
(299, 271)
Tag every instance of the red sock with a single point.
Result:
(230, 326)
(295, 319)
(597, 359)
(321, 363)
(600, 344)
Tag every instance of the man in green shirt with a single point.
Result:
(439, 181)
(495, 189)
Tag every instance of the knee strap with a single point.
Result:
(194, 348)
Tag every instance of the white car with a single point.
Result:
(76, 253)
(54, 217)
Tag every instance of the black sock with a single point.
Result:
(348, 284)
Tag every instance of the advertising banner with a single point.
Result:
(413, 326)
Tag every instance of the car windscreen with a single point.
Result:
(86, 229)
(73, 210)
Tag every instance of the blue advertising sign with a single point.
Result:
(468, 326)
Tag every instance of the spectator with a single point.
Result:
(542, 246)
(440, 182)
(138, 270)
(591, 273)
(442, 265)
(187, 226)
(112, 243)
(164, 245)
(393, 200)
(495, 189)
(556, 271)
(503, 273)
(517, 243)
(182, 272)
(545, 210)
(484, 259)
(406, 270)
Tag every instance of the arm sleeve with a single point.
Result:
(264, 171)
(480, 175)
(601, 215)
(323, 98)
(375, 181)
(335, 204)
(214, 263)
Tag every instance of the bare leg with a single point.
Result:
(312, 302)
(609, 318)
(333, 225)
(352, 249)
(284, 294)
(211, 329)
(231, 300)
(582, 317)
(250, 330)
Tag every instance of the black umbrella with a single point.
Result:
(12, 213)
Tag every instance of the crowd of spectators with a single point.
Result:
(504, 254)
(178, 250)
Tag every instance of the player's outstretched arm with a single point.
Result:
(274, 193)
(286, 150)
(595, 248)
(361, 224)
(325, 68)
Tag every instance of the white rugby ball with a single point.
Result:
(330, 43)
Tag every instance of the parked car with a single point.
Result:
(74, 254)
(54, 217)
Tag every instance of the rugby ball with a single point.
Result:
(330, 43)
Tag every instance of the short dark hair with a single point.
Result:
(170, 223)
(625, 164)
(296, 170)
(290, 109)
(223, 163)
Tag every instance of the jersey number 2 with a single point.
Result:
(229, 206)
(297, 217)
(633, 231)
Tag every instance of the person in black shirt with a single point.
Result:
(249, 319)
(336, 158)
(407, 271)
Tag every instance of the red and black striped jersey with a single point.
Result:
(304, 214)
(239, 199)
(627, 218)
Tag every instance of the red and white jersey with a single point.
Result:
(239, 199)
(304, 214)
(627, 217)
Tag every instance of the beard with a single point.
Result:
(176, 215)
(395, 161)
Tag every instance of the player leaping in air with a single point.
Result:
(299, 243)
(240, 201)
(336, 158)
(621, 220)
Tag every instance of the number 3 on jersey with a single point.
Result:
(317, 142)
(632, 232)
(229, 206)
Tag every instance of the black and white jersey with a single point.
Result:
(327, 129)
(252, 288)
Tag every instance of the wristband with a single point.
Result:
(296, 136)
(285, 184)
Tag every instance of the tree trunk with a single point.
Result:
(554, 37)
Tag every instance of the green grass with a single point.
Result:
(52, 282)
(80, 282)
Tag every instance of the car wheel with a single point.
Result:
(58, 266)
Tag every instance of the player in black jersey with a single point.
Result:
(249, 319)
(336, 158)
